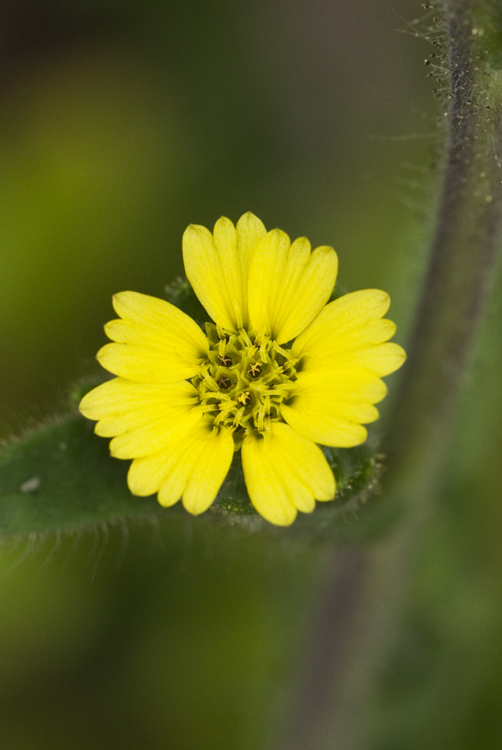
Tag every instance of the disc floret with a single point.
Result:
(244, 380)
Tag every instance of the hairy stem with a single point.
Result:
(362, 595)
(463, 252)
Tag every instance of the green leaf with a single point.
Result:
(61, 477)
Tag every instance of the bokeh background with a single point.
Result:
(121, 123)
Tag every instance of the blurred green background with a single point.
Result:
(120, 124)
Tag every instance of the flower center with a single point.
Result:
(244, 379)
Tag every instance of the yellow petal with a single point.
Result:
(328, 406)
(156, 435)
(250, 231)
(218, 266)
(323, 428)
(139, 335)
(288, 285)
(381, 359)
(350, 411)
(197, 468)
(346, 314)
(145, 365)
(353, 385)
(140, 417)
(148, 473)
(285, 473)
(211, 461)
(349, 334)
(267, 492)
(193, 468)
(162, 323)
(119, 397)
(166, 469)
(371, 334)
(155, 342)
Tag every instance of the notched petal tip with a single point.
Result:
(278, 235)
(279, 517)
(105, 356)
(195, 233)
(86, 406)
(392, 357)
(198, 507)
(249, 216)
(250, 230)
(223, 224)
(112, 328)
(127, 304)
(122, 298)
(400, 352)
(327, 254)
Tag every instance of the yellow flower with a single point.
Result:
(183, 402)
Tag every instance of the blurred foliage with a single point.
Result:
(127, 643)
(121, 123)
(443, 686)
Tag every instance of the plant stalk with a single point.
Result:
(463, 252)
(366, 586)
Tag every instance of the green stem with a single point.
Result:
(463, 252)
(363, 596)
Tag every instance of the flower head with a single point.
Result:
(185, 401)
